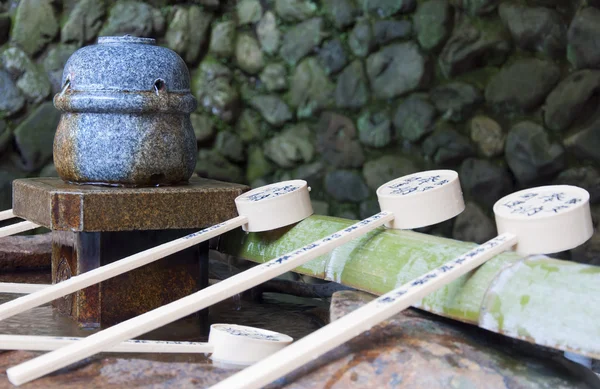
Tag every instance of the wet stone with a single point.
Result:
(11, 100)
(447, 147)
(274, 76)
(84, 22)
(198, 28)
(485, 181)
(582, 49)
(222, 39)
(35, 25)
(361, 39)
(248, 126)
(25, 252)
(537, 29)
(346, 185)
(531, 155)
(35, 135)
(386, 168)
(248, 54)
(272, 109)
(433, 23)
(55, 62)
(585, 144)
(522, 86)
(248, 12)
(414, 118)
(573, 100)
(133, 18)
(374, 129)
(30, 79)
(301, 39)
(386, 8)
(214, 89)
(204, 129)
(586, 177)
(295, 10)
(292, 147)
(337, 141)
(332, 56)
(258, 165)
(311, 91)
(341, 12)
(268, 34)
(456, 101)
(473, 225)
(230, 145)
(476, 7)
(352, 90)
(488, 136)
(213, 165)
(386, 31)
(177, 33)
(396, 69)
(470, 47)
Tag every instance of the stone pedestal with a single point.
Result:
(95, 225)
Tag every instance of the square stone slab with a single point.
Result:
(59, 206)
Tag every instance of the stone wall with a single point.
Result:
(346, 94)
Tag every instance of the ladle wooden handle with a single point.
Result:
(49, 343)
(148, 321)
(17, 228)
(121, 266)
(5, 215)
(15, 287)
(363, 319)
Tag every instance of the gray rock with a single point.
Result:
(55, 62)
(258, 166)
(214, 90)
(433, 21)
(414, 119)
(586, 143)
(589, 252)
(336, 141)
(456, 101)
(31, 80)
(213, 165)
(274, 76)
(341, 12)
(301, 39)
(345, 211)
(309, 172)
(311, 90)
(4, 28)
(292, 147)
(476, 7)
(204, 130)
(35, 25)
(248, 55)
(248, 12)
(488, 136)
(320, 207)
(386, 8)
(381, 170)
(248, 126)
(222, 39)
(6, 136)
(352, 89)
(272, 109)
(447, 147)
(582, 49)
(35, 135)
(469, 47)
(537, 29)
(531, 155)
(84, 22)
(131, 17)
(332, 56)
(522, 85)
(346, 185)
(573, 100)
(268, 34)
(11, 100)
(586, 177)
(7, 176)
(386, 31)
(177, 33)
(473, 225)
(375, 129)
(199, 25)
(48, 171)
(229, 145)
(159, 24)
(368, 208)
(396, 69)
(485, 181)
(295, 10)
(361, 39)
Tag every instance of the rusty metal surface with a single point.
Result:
(57, 205)
(28, 252)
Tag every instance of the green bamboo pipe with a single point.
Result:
(538, 299)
